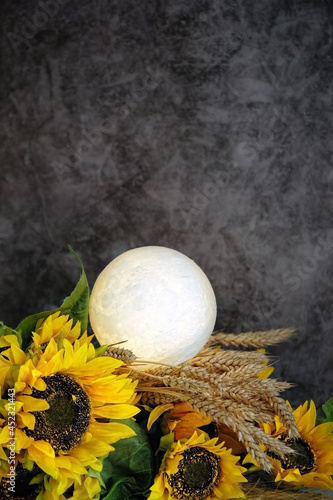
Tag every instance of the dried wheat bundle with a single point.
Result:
(272, 493)
(225, 385)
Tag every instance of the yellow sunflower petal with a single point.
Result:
(100, 366)
(321, 431)
(98, 448)
(158, 490)
(69, 463)
(64, 482)
(30, 376)
(51, 361)
(85, 339)
(33, 404)
(16, 355)
(3, 455)
(228, 491)
(43, 448)
(117, 411)
(5, 437)
(88, 489)
(19, 439)
(43, 454)
(267, 372)
(157, 412)
(74, 357)
(12, 406)
(4, 373)
(86, 453)
(110, 432)
(92, 486)
(8, 341)
(110, 390)
(308, 420)
(188, 420)
(26, 419)
(22, 440)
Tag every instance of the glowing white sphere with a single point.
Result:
(156, 299)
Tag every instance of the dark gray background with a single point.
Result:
(204, 126)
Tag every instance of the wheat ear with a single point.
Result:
(254, 339)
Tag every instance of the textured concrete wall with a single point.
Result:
(204, 126)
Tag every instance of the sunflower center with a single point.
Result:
(67, 419)
(198, 472)
(63, 411)
(302, 459)
(197, 475)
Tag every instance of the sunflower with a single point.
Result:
(312, 463)
(198, 468)
(184, 420)
(64, 400)
(55, 325)
(181, 419)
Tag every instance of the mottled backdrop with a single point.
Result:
(204, 126)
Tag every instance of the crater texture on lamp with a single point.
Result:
(158, 300)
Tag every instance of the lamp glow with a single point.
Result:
(156, 299)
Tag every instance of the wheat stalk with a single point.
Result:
(254, 339)
(157, 398)
(282, 410)
(223, 384)
(125, 355)
(209, 356)
(222, 363)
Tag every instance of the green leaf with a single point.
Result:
(37, 479)
(99, 351)
(165, 444)
(128, 471)
(28, 464)
(328, 410)
(166, 441)
(76, 305)
(5, 330)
